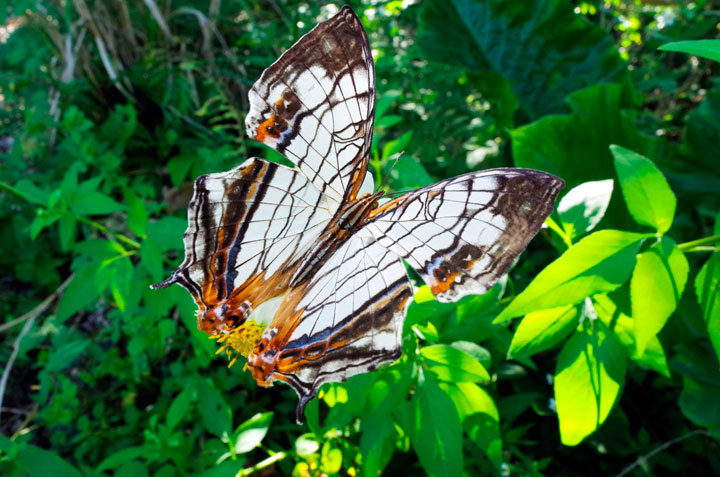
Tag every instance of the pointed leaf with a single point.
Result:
(452, 364)
(584, 206)
(599, 263)
(251, 432)
(706, 48)
(707, 289)
(657, 284)
(647, 194)
(541, 330)
(590, 373)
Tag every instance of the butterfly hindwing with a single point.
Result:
(316, 104)
(346, 320)
(462, 234)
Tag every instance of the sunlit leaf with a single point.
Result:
(452, 364)
(584, 206)
(599, 263)
(541, 330)
(657, 284)
(251, 432)
(706, 48)
(707, 289)
(589, 375)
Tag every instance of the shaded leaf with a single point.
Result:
(706, 48)
(452, 364)
(250, 433)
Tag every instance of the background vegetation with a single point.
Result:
(111, 108)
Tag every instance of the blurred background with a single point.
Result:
(110, 109)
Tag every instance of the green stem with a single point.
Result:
(687, 246)
(262, 464)
(102, 228)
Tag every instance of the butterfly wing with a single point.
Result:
(247, 228)
(346, 320)
(316, 105)
(462, 234)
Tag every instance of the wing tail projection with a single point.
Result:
(462, 234)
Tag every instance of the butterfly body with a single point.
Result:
(301, 269)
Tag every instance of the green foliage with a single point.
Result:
(111, 109)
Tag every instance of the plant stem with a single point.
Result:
(102, 228)
(695, 243)
(262, 464)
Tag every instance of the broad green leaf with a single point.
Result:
(151, 259)
(167, 233)
(646, 191)
(30, 192)
(565, 52)
(137, 214)
(68, 229)
(178, 167)
(706, 48)
(589, 375)
(94, 203)
(699, 171)
(215, 412)
(541, 330)
(63, 356)
(407, 172)
(436, 433)
(251, 432)
(599, 263)
(701, 385)
(452, 364)
(397, 145)
(707, 289)
(120, 457)
(657, 284)
(99, 249)
(44, 463)
(82, 290)
(480, 418)
(584, 206)
(481, 355)
(180, 407)
(554, 143)
(624, 327)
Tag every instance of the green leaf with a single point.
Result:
(646, 191)
(68, 229)
(707, 289)
(44, 463)
(95, 203)
(584, 206)
(81, 291)
(330, 458)
(63, 356)
(397, 145)
(436, 433)
(180, 407)
(215, 412)
(543, 49)
(541, 330)
(657, 284)
(151, 259)
(706, 48)
(615, 316)
(167, 233)
(599, 118)
(178, 167)
(451, 364)
(30, 192)
(137, 214)
(599, 263)
(122, 456)
(407, 172)
(250, 433)
(480, 418)
(701, 385)
(589, 375)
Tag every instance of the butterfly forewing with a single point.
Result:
(462, 234)
(316, 104)
(246, 228)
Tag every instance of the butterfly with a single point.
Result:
(301, 269)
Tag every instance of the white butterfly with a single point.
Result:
(301, 269)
